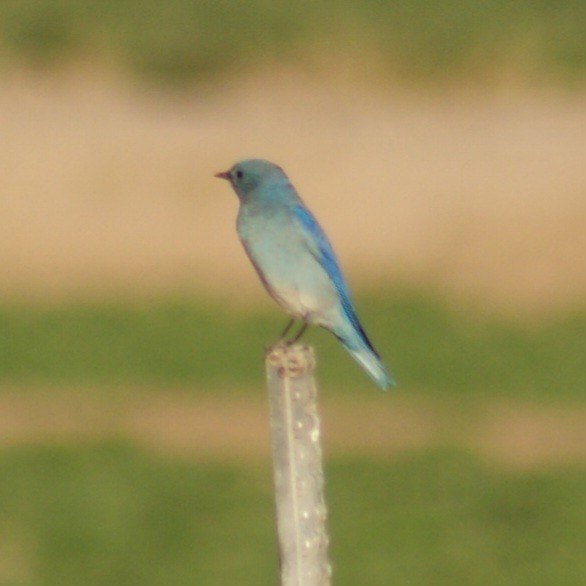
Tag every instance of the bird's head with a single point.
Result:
(249, 175)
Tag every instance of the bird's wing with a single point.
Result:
(319, 246)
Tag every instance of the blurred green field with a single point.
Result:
(191, 40)
(75, 511)
(432, 347)
(108, 513)
(410, 512)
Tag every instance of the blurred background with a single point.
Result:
(442, 145)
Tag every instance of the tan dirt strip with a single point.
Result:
(110, 191)
(514, 434)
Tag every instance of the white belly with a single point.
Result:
(298, 284)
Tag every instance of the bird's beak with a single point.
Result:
(223, 175)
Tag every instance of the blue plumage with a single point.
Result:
(295, 260)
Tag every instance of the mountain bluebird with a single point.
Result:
(295, 260)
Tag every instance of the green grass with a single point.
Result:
(430, 347)
(110, 514)
(191, 40)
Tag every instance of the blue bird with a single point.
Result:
(295, 260)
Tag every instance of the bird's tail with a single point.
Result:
(363, 352)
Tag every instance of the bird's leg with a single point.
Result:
(299, 334)
(286, 330)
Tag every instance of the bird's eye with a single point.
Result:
(238, 174)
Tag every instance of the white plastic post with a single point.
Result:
(297, 463)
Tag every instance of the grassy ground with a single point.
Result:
(108, 513)
(187, 40)
(430, 347)
(73, 511)
(503, 504)
(76, 508)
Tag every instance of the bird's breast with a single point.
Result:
(287, 268)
